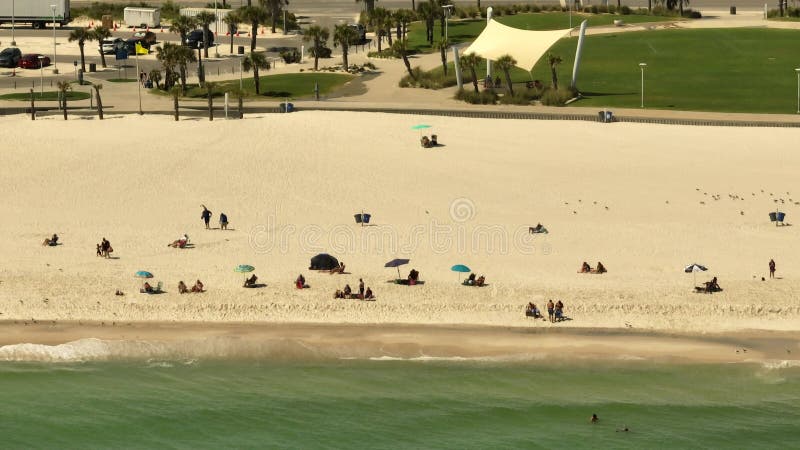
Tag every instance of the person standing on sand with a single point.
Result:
(551, 310)
(772, 268)
(223, 221)
(206, 216)
(361, 288)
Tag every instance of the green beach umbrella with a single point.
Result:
(244, 268)
(420, 127)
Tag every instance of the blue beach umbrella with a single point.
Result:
(143, 274)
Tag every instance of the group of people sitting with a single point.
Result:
(52, 242)
(426, 142)
(148, 289)
(181, 242)
(555, 311)
(104, 248)
(709, 286)
(347, 292)
(472, 281)
(197, 288)
(586, 268)
(412, 279)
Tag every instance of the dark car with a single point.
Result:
(130, 46)
(10, 57)
(195, 39)
(32, 61)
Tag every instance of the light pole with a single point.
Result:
(55, 63)
(216, 31)
(13, 7)
(41, 72)
(642, 66)
(446, 12)
(241, 60)
(139, 85)
(798, 89)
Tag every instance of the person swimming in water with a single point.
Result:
(594, 419)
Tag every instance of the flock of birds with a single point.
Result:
(736, 197)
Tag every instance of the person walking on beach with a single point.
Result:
(223, 221)
(206, 216)
(772, 268)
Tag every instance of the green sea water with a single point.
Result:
(391, 404)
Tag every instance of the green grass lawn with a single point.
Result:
(49, 96)
(122, 80)
(467, 30)
(726, 70)
(287, 85)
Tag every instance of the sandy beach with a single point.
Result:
(646, 200)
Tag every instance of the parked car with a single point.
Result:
(195, 39)
(361, 32)
(146, 36)
(10, 57)
(31, 61)
(110, 45)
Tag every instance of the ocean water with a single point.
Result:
(385, 403)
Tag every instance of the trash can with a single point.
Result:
(358, 218)
(780, 217)
(602, 116)
(240, 50)
(366, 217)
(733, 10)
(773, 217)
(290, 108)
(609, 117)
(92, 67)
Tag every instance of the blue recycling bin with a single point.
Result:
(366, 218)
(289, 107)
(781, 216)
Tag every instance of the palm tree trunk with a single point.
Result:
(554, 75)
(99, 103)
(253, 34)
(317, 49)
(443, 52)
(210, 106)
(344, 57)
(183, 80)
(508, 81)
(102, 56)
(64, 104)
(177, 107)
(408, 65)
(274, 21)
(241, 106)
(380, 39)
(231, 42)
(474, 78)
(479, 5)
(389, 35)
(206, 32)
(414, 5)
(256, 80)
(83, 60)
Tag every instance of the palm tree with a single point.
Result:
(439, 13)
(554, 61)
(210, 94)
(100, 34)
(369, 5)
(63, 88)
(183, 25)
(404, 17)
(233, 20)
(506, 63)
(388, 23)
(275, 7)
(81, 35)
(255, 61)
(399, 48)
(377, 20)
(253, 15)
(155, 77)
(471, 61)
(671, 4)
(171, 56)
(175, 92)
(238, 94)
(343, 35)
(33, 106)
(205, 19)
(442, 45)
(319, 36)
(426, 14)
(97, 88)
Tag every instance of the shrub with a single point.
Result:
(691, 14)
(324, 52)
(519, 98)
(433, 79)
(625, 10)
(552, 97)
(535, 8)
(291, 56)
(385, 53)
(485, 97)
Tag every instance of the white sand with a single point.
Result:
(291, 184)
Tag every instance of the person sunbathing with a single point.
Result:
(52, 242)
(338, 294)
(339, 270)
(426, 143)
(198, 287)
(480, 281)
(368, 295)
(146, 289)
(180, 242)
(600, 268)
(300, 282)
(250, 282)
(585, 268)
(182, 289)
(712, 286)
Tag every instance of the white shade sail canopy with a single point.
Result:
(525, 46)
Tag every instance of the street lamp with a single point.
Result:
(241, 61)
(798, 89)
(55, 63)
(13, 5)
(642, 66)
(216, 31)
(447, 9)
(41, 71)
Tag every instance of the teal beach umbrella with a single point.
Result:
(460, 268)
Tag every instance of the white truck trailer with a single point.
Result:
(38, 13)
(142, 17)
